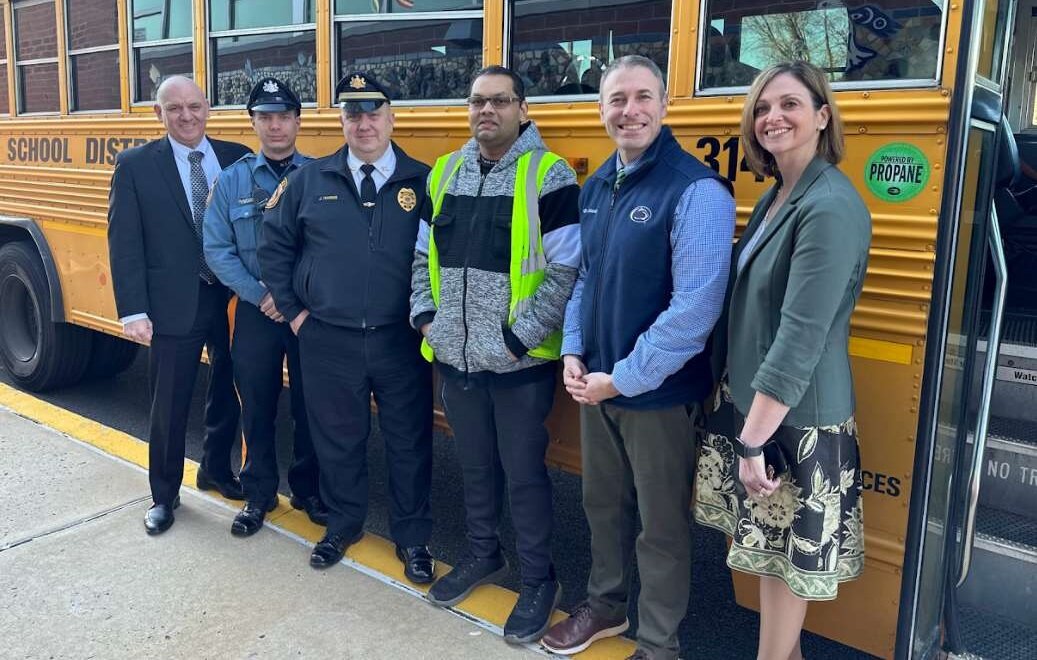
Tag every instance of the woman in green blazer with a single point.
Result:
(796, 275)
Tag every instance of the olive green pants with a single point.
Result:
(640, 461)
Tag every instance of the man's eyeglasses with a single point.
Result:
(498, 102)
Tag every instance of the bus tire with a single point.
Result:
(38, 353)
(109, 356)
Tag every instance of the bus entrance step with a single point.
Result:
(1015, 390)
(1003, 578)
(1010, 467)
(989, 637)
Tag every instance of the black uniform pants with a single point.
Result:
(259, 346)
(342, 368)
(502, 442)
(172, 370)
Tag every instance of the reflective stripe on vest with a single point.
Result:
(527, 249)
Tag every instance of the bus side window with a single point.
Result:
(5, 107)
(35, 44)
(879, 40)
(429, 52)
(284, 47)
(561, 48)
(93, 55)
(160, 45)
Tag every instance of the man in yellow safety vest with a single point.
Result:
(494, 266)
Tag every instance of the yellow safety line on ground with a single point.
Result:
(490, 604)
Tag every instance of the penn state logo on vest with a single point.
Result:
(641, 214)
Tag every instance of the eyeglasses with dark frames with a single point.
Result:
(498, 102)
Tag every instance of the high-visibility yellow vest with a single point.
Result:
(527, 246)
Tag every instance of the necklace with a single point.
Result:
(486, 162)
(776, 203)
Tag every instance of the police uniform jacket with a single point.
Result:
(319, 252)
(233, 219)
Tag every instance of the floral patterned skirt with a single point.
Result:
(809, 533)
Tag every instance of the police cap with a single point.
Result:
(272, 95)
(360, 92)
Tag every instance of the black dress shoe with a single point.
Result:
(331, 549)
(314, 508)
(250, 519)
(159, 517)
(229, 487)
(418, 564)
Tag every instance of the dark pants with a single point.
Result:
(342, 368)
(172, 369)
(259, 347)
(640, 461)
(502, 442)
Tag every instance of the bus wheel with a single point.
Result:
(38, 353)
(110, 356)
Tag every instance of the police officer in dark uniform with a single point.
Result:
(260, 337)
(336, 252)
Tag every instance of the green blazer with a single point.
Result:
(787, 323)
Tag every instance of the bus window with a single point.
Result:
(285, 47)
(5, 107)
(993, 40)
(882, 40)
(560, 47)
(161, 44)
(36, 57)
(93, 54)
(429, 51)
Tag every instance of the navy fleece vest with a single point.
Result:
(626, 248)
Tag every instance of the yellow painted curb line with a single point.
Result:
(490, 603)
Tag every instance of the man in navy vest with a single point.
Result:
(656, 228)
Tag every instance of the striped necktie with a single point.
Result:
(621, 175)
(199, 194)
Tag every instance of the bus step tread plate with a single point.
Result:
(1011, 529)
(1018, 431)
(992, 637)
(1018, 328)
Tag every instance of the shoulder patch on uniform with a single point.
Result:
(212, 189)
(276, 197)
(407, 199)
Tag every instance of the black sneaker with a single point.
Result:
(455, 586)
(532, 613)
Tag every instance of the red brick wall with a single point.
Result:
(39, 88)
(5, 107)
(92, 23)
(35, 31)
(96, 81)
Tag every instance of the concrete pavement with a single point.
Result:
(80, 579)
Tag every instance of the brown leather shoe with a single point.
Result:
(580, 630)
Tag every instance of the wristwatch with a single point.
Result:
(747, 451)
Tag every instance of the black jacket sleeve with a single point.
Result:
(126, 243)
(280, 244)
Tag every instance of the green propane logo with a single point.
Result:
(896, 172)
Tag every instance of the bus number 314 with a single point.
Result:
(727, 152)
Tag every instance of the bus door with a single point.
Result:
(959, 596)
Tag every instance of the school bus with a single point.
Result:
(938, 103)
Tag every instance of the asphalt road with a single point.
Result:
(715, 627)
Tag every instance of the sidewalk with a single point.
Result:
(79, 578)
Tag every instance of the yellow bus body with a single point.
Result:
(55, 171)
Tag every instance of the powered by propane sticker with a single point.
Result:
(896, 172)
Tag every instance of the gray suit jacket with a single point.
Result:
(787, 325)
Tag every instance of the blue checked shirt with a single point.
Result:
(700, 241)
